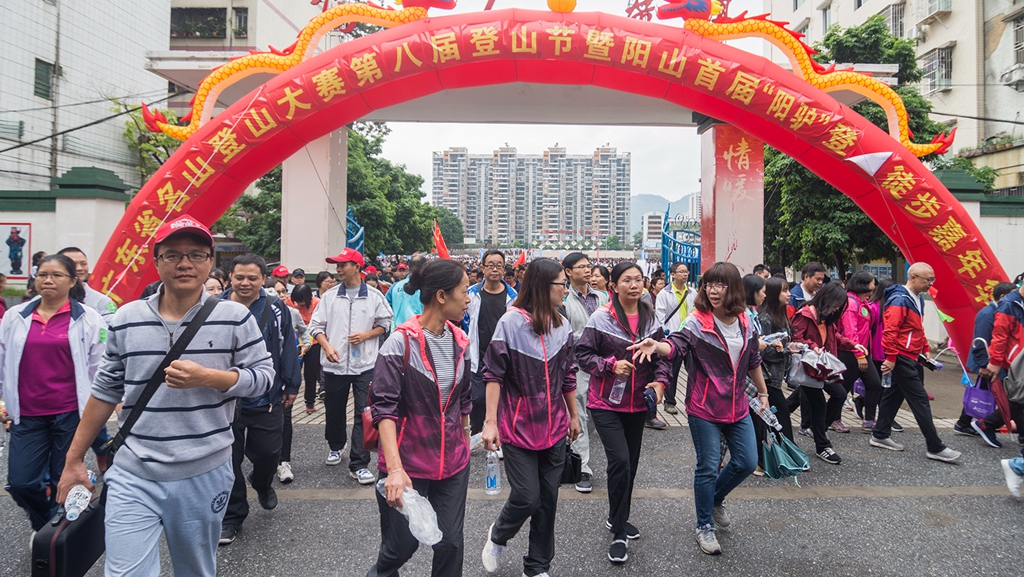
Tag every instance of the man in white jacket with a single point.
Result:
(674, 304)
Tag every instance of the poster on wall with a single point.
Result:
(16, 256)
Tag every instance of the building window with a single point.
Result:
(826, 18)
(241, 24)
(198, 23)
(894, 19)
(1018, 40)
(938, 70)
(44, 79)
(797, 4)
(857, 4)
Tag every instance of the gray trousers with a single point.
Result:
(582, 443)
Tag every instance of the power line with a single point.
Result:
(87, 125)
(986, 119)
(151, 92)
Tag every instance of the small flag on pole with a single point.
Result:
(521, 259)
(442, 249)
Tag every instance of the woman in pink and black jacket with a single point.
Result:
(531, 408)
(858, 322)
(721, 348)
(616, 395)
(420, 403)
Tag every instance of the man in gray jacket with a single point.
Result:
(173, 473)
(579, 305)
(674, 304)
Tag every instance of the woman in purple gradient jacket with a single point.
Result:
(420, 403)
(531, 409)
(616, 394)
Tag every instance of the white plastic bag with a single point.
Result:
(421, 516)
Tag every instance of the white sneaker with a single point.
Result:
(284, 472)
(363, 476)
(544, 574)
(885, 443)
(491, 553)
(334, 458)
(946, 455)
(1013, 480)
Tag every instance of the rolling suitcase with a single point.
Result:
(65, 548)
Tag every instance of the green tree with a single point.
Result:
(613, 243)
(807, 219)
(638, 239)
(256, 219)
(151, 149)
(986, 175)
(450, 225)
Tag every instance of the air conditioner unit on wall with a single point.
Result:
(916, 33)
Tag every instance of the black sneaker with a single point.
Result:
(896, 427)
(631, 531)
(228, 534)
(267, 498)
(584, 486)
(858, 405)
(967, 431)
(988, 435)
(618, 552)
(829, 456)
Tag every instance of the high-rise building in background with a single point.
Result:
(651, 224)
(550, 199)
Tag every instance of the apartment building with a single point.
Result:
(651, 224)
(549, 199)
(972, 53)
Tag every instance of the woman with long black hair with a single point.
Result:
(421, 394)
(531, 409)
(817, 324)
(857, 325)
(616, 395)
(775, 358)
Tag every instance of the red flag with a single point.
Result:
(521, 259)
(442, 249)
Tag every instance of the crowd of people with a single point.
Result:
(445, 356)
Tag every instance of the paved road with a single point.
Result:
(880, 513)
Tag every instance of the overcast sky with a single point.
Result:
(666, 161)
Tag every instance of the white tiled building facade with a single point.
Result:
(972, 52)
(101, 46)
(540, 199)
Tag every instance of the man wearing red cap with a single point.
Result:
(346, 324)
(173, 473)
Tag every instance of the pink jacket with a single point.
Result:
(857, 320)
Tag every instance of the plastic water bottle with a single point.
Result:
(78, 499)
(769, 339)
(357, 351)
(618, 389)
(492, 483)
(887, 380)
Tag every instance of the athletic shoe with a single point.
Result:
(759, 472)
(931, 397)
(310, 409)
(321, 393)
(707, 540)
(544, 574)
(885, 443)
(334, 458)
(946, 455)
(655, 423)
(829, 456)
(848, 405)
(632, 532)
(228, 534)
(267, 497)
(364, 476)
(491, 553)
(805, 432)
(284, 472)
(618, 552)
(867, 426)
(858, 404)
(967, 431)
(584, 486)
(32, 541)
(671, 409)
(1013, 480)
(839, 427)
(896, 427)
(719, 516)
(1020, 440)
(987, 435)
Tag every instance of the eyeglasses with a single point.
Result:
(716, 287)
(564, 285)
(585, 266)
(631, 281)
(494, 266)
(194, 257)
(52, 275)
(927, 279)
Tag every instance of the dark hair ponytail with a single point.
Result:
(77, 291)
(642, 308)
(437, 275)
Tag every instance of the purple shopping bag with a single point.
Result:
(858, 388)
(978, 400)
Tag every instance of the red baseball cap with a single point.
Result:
(348, 255)
(281, 270)
(183, 224)
(370, 269)
(402, 267)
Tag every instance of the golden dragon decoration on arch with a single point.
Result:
(722, 27)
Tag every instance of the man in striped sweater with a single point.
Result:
(173, 474)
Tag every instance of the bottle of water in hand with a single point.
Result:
(492, 483)
(618, 389)
(78, 499)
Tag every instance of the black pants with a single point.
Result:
(797, 400)
(621, 434)
(824, 413)
(996, 420)
(871, 379)
(478, 393)
(336, 389)
(777, 399)
(311, 373)
(397, 545)
(258, 438)
(533, 477)
(286, 435)
(670, 387)
(907, 383)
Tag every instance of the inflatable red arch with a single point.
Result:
(213, 167)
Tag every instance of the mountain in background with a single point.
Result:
(641, 203)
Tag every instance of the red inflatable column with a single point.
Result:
(732, 198)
